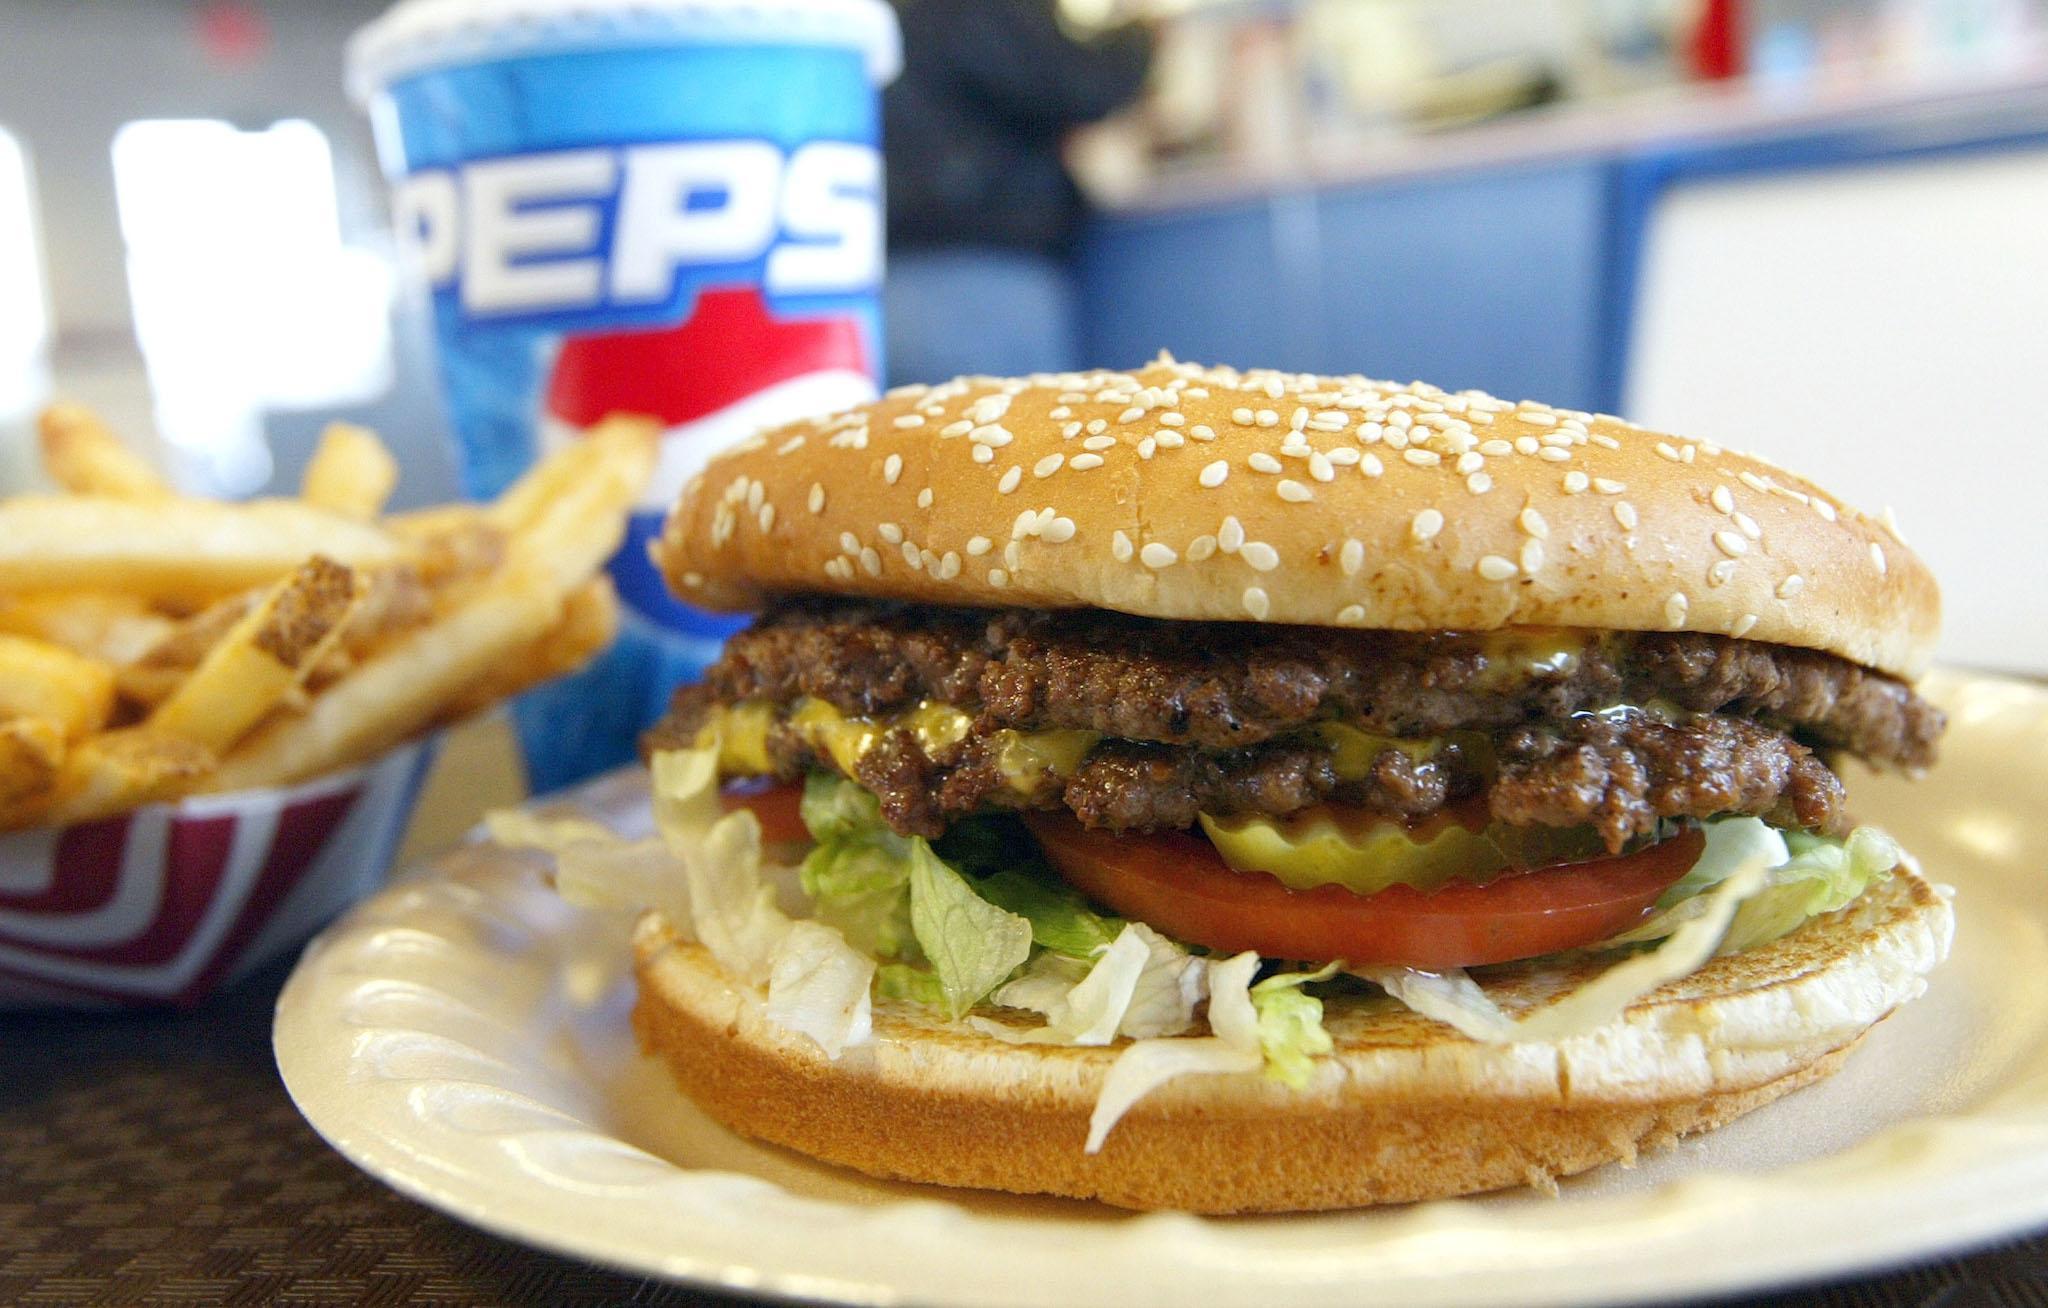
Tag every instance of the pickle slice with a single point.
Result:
(1368, 852)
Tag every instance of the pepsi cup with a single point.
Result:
(662, 207)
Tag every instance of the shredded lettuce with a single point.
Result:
(858, 872)
(918, 985)
(1141, 985)
(1455, 999)
(819, 987)
(1145, 1065)
(1291, 1034)
(973, 946)
(1060, 919)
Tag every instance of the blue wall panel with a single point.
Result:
(1490, 280)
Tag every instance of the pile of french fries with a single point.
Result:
(154, 646)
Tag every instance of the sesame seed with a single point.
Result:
(1256, 602)
(924, 498)
(1261, 556)
(1172, 419)
(906, 421)
(892, 468)
(1753, 481)
(1298, 419)
(1157, 554)
(1575, 482)
(1025, 524)
(1202, 431)
(849, 543)
(1369, 464)
(978, 546)
(1527, 445)
(1790, 586)
(1747, 525)
(1351, 613)
(991, 434)
(960, 428)
(1201, 547)
(1048, 465)
(1471, 461)
(870, 561)
(756, 493)
(1426, 525)
(1370, 434)
(1532, 556)
(1013, 556)
(816, 502)
(1085, 462)
(1267, 418)
(1495, 568)
(1479, 483)
(949, 566)
(998, 578)
(1352, 557)
(1260, 461)
(1731, 543)
(1666, 450)
(1147, 447)
(1422, 458)
(1497, 448)
(1534, 523)
(1294, 492)
(1230, 537)
(1674, 610)
(1723, 501)
(1824, 509)
(1070, 430)
(1096, 426)
(1120, 547)
(1242, 417)
(1554, 454)
(1742, 625)
(1604, 440)
(1877, 559)
(790, 446)
(767, 517)
(1011, 477)
(1129, 415)
(1343, 456)
(1320, 468)
(1608, 485)
(1625, 514)
(1058, 531)
(1721, 573)
(1686, 454)
(1213, 475)
(911, 556)
(890, 532)
(1169, 439)
(983, 454)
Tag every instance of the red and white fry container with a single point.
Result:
(163, 904)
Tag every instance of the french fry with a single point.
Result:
(261, 659)
(351, 473)
(31, 752)
(40, 680)
(155, 675)
(114, 629)
(569, 470)
(176, 550)
(113, 773)
(404, 687)
(588, 625)
(83, 457)
(399, 691)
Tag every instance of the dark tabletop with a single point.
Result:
(154, 1158)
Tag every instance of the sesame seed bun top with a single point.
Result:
(1184, 492)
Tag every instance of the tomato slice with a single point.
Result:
(775, 803)
(1178, 883)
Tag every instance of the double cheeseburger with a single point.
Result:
(1247, 791)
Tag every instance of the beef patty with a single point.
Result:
(1551, 727)
(1226, 685)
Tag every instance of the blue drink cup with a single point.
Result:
(670, 208)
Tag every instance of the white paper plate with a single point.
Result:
(435, 1037)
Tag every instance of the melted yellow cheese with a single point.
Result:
(1521, 653)
(1025, 758)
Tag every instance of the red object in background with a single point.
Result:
(232, 35)
(726, 350)
(1717, 41)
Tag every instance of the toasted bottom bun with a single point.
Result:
(1406, 1109)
